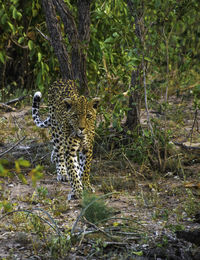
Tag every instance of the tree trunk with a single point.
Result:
(133, 116)
(84, 37)
(56, 39)
(72, 65)
(72, 33)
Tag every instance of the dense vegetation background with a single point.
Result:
(164, 35)
(141, 58)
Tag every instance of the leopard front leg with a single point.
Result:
(85, 158)
(58, 154)
(72, 165)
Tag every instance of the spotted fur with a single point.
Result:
(72, 122)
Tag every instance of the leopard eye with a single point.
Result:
(89, 116)
(74, 116)
(67, 105)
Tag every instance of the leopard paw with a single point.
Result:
(72, 196)
(61, 177)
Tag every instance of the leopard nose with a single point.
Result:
(81, 128)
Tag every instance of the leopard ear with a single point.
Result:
(68, 103)
(95, 102)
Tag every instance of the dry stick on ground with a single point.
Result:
(6, 107)
(97, 228)
(136, 173)
(182, 145)
(15, 100)
(12, 147)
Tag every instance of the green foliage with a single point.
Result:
(42, 192)
(168, 44)
(97, 210)
(6, 206)
(114, 49)
(6, 170)
(59, 246)
(24, 54)
(36, 174)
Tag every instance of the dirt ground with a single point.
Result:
(151, 209)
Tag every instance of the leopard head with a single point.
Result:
(81, 114)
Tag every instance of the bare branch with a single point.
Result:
(11, 148)
(43, 35)
(19, 45)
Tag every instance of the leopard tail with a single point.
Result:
(35, 112)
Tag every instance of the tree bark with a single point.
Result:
(72, 65)
(56, 39)
(84, 37)
(133, 116)
(72, 33)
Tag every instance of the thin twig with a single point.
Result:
(187, 146)
(145, 97)
(19, 45)
(122, 218)
(193, 125)
(15, 100)
(132, 168)
(43, 35)
(11, 148)
(97, 228)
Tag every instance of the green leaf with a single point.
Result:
(4, 19)
(17, 167)
(14, 1)
(147, 59)
(1, 169)
(46, 67)
(36, 174)
(34, 12)
(21, 39)
(19, 15)
(109, 40)
(24, 163)
(139, 253)
(22, 178)
(115, 34)
(39, 56)
(30, 45)
(14, 13)
(2, 59)
(11, 26)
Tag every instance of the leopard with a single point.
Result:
(71, 119)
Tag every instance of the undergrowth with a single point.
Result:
(96, 209)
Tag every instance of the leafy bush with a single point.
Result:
(96, 208)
